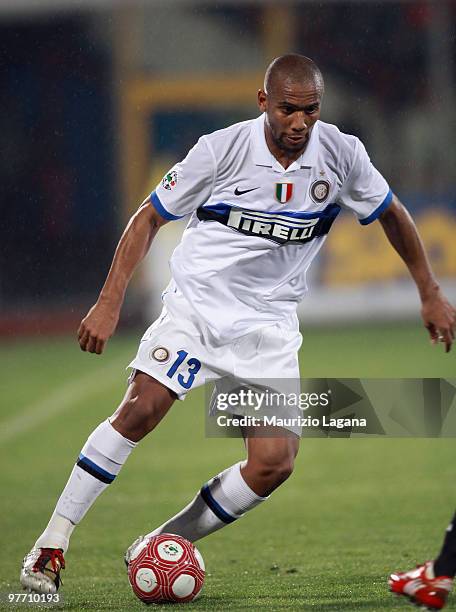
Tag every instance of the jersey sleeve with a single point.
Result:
(365, 192)
(187, 185)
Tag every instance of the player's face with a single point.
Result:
(291, 111)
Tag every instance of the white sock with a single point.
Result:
(57, 533)
(221, 501)
(101, 459)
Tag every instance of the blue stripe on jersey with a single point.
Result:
(215, 506)
(155, 200)
(378, 211)
(95, 470)
(281, 227)
(223, 208)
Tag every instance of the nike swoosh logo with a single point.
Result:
(238, 191)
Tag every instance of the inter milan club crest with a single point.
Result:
(170, 180)
(319, 191)
(284, 192)
(160, 354)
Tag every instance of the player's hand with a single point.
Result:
(439, 318)
(97, 327)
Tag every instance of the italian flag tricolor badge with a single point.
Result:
(284, 191)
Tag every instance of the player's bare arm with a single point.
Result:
(438, 314)
(101, 321)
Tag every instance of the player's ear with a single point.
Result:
(262, 100)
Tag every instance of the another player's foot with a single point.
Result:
(421, 587)
(131, 551)
(40, 571)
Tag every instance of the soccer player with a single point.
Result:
(429, 584)
(262, 195)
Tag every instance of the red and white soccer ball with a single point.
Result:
(166, 568)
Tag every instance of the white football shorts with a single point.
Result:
(179, 351)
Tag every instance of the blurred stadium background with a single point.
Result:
(100, 97)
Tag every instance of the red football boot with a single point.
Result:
(421, 587)
(40, 571)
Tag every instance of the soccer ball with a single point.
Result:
(166, 568)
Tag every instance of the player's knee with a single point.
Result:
(140, 411)
(283, 470)
(274, 473)
(145, 405)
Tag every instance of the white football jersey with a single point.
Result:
(255, 227)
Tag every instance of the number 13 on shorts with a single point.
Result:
(185, 379)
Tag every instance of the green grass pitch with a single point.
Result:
(326, 540)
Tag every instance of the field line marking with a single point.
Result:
(60, 399)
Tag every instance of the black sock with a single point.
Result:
(445, 564)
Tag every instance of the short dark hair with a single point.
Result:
(295, 68)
